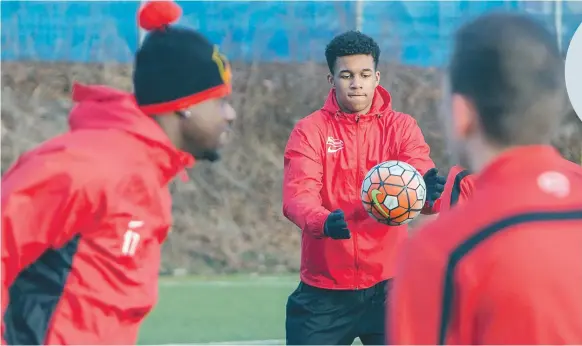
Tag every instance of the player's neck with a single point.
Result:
(170, 124)
(482, 154)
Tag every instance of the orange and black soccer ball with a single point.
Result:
(393, 193)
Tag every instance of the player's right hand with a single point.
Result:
(335, 226)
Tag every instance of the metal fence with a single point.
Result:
(411, 32)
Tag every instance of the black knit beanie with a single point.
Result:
(175, 67)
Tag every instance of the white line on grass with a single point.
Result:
(248, 342)
(250, 283)
(260, 342)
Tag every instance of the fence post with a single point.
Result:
(359, 14)
(558, 22)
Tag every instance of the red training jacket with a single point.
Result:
(505, 267)
(84, 216)
(326, 158)
(458, 188)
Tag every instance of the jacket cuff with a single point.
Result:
(316, 227)
(430, 210)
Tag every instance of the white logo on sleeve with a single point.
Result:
(554, 183)
(131, 238)
(334, 145)
(135, 224)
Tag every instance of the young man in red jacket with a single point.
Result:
(84, 214)
(347, 258)
(505, 267)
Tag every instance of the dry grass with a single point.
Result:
(228, 217)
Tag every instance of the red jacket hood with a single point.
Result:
(102, 107)
(381, 103)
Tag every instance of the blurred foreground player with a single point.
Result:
(84, 214)
(506, 266)
(347, 258)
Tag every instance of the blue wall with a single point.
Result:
(411, 32)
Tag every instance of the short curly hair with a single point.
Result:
(351, 43)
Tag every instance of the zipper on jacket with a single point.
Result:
(357, 175)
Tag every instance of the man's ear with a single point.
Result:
(330, 79)
(377, 78)
(465, 119)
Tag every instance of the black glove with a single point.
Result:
(435, 185)
(335, 226)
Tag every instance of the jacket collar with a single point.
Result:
(102, 107)
(381, 103)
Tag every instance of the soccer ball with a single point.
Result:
(393, 193)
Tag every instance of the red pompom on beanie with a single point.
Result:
(156, 15)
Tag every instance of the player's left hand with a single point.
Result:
(435, 185)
